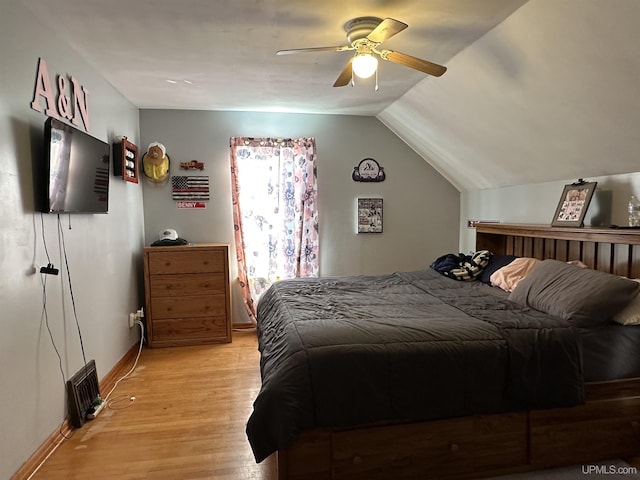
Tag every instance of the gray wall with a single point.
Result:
(421, 215)
(421, 209)
(537, 202)
(104, 251)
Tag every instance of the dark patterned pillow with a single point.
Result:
(462, 267)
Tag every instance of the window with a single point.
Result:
(274, 212)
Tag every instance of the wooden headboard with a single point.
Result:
(611, 250)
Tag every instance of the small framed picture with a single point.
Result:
(573, 204)
(369, 215)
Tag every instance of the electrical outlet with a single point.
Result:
(132, 320)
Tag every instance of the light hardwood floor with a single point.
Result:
(187, 420)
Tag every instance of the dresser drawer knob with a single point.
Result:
(454, 447)
(357, 460)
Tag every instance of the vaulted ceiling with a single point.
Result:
(552, 93)
(535, 90)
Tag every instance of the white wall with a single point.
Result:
(421, 209)
(537, 203)
(104, 251)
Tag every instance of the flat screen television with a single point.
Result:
(76, 170)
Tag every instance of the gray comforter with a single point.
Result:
(355, 351)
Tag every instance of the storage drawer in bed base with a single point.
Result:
(607, 426)
(587, 433)
(455, 448)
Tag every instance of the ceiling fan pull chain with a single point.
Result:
(376, 87)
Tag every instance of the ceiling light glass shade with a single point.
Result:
(364, 65)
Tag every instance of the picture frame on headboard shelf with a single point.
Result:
(573, 204)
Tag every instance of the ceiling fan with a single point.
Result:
(365, 34)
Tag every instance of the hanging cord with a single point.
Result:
(45, 314)
(73, 301)
(44, 240)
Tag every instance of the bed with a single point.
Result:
(415, 375)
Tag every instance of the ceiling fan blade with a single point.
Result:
(413, 62)
(345, 76)
(386, 29)
(314, 49)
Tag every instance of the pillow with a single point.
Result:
(508, 277)
(495, 262)
(582, 296)
(629, 315)
(578, 263)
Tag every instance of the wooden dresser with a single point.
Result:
(188, 295)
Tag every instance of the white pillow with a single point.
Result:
(629, 315)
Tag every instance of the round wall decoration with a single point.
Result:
(368, 170)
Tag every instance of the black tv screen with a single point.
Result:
(76, 173)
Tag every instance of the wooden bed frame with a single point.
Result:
(607, 426)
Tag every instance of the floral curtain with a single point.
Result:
(275, 212)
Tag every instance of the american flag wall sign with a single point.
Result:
(188, 187)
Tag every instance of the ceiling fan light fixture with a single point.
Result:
(365, 34)
(364, 65)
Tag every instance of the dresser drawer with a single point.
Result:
(179, 285)
(189, 331)
(195, 261)
(188, 306)
(187, 294)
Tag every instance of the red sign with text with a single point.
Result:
(191, 204)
